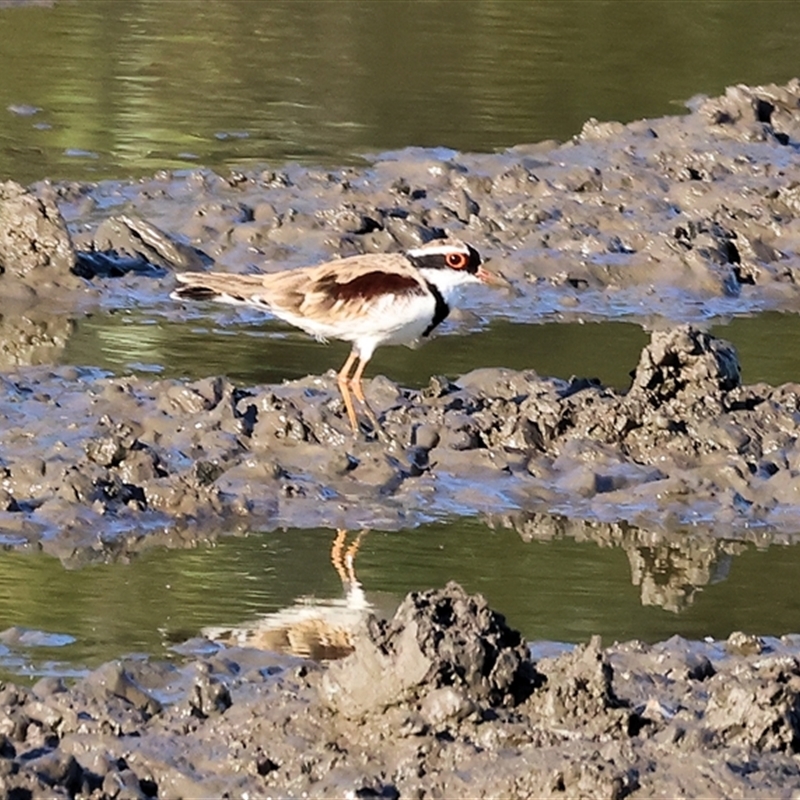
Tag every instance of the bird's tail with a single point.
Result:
(218, 286)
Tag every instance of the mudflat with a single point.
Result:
(680, 218)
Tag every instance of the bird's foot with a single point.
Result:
(377, 429)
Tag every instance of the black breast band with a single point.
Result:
(441, 310)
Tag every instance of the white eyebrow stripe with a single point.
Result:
(444, 249)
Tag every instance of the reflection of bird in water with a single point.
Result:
(311, 628)
(369, 300)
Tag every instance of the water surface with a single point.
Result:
(267, 351)
(128, 88)
(271, 352)
(565, 589)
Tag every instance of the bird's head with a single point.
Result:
(450, 263)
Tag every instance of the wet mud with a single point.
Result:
(681, 218)
(687, 444)
(442, 700)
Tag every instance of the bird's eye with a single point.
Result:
(456, 260)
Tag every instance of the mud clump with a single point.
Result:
(33, 237)
(683, 375)
(579, 694)
(437, 640)
(676, 718)
(682, 358)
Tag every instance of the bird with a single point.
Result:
(368, 300)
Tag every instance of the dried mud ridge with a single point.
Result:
(124, 456)
(444, 700)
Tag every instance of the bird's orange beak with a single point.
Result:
(491, 278)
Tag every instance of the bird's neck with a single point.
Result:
(446, 281)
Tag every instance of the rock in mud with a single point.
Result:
(35, 246)
(125, 244)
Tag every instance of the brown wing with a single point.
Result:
(329, 293)
(328, 290)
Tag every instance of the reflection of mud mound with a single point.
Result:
(671, 574)
(673, 719)
(669, 566)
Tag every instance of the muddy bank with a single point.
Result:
(685, 217)
(91, 465)
(442, 700)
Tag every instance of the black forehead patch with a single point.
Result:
(475, 259)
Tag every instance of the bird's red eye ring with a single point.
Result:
(456, 260)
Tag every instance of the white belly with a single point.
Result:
(393, 319)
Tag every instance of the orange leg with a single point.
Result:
(355, 382)
(358, 390)
(344, 560)
(343, 379)
(337, 554)
(350, 557)
(346, 383)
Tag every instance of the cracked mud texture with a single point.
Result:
(451, 705)
(686, 444)
(685, 217)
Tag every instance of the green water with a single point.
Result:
(270, 352)
(559, 590)
(131, 87)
